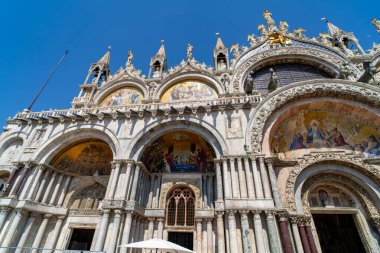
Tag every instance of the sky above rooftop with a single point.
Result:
(35, 35)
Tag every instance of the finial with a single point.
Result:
(217, 34)
(325, 19)
(130, 57)
(162, 42)
(189, 51)
(109, 48)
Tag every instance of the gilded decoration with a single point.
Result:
(179, 152)
(124, 96)
(189, 90)
(87, 158)
(313, 130)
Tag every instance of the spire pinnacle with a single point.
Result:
(333, 29)
(161, 51)
(219, 42)
(106, 58)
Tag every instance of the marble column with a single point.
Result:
(274, 240)
(219, 181)
(115, 177)
(28, 180)
(232, 231)
(234, 179)
(13, 227)
(304, 240)
(12, 176)
(102, 230)
(273, 182)
(20, 178)
(242, 179)
(265, 179)
(258, 232)
(56, 189)
(245, 231)
(26, 231)
(204, 236)
(220, 231)
(42, 185)
(48, 189)
(199, 235)
(248, 174)
(285, 235)
(64, 191)
(41, 232)
(56, 232)
(210, 244)
(127, 179)
(150, 197)
(296, 234)
(160, 228)
(310, 236)
(210, 191)
(36, 181)
(135, 182)
(257, 179)
(204, 191)
(157, 195)
(4, 210)
(150, 227)
(114, 232)
(126, 231)
(226, 180)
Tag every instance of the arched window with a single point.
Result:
(180, 208)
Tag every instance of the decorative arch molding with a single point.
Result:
(188, 76)
(160, 127)
(11, 138)
(346, 185)
(169, 185)
(251, 60)
(349, 161)
(70, 135)
(355, 91)
(110, 88)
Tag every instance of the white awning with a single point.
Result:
(158, 244)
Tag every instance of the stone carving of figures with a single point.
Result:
(262, 30)
(130, 57)
(222, 64)
(244, 48)
(268, 18)
(189, 51)
(284, 27)
(299, 33)
(375, 22)
(252, 40)
(235, 50)
(325, 38)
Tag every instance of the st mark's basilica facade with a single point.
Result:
(275, 148)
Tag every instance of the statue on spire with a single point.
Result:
(270, 21)
(189, 52)
(130, 58)
(376, 23)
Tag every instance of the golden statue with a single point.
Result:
(235, 49)
(284, 26)
(189, 51)
(252, 40)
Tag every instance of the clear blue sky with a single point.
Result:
(35, 35)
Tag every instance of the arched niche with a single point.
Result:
(188, 90)
(10, 150)
(86, 158)
(123, 96)
(179, 151)
(88, 197)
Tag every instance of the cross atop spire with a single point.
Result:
(106, 58)
(161, 51)
(219, 42)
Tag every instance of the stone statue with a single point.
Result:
(376, 23)
(325, 38)
(244, 48)
(189, 51)
(268, 18)
(299, 33)
(252, 40)
(284, 27)
(262, 30)
(235, 49)
(130, 57)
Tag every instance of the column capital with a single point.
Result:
(244, 213)
(245, 158)
(160, 220)
(116, 163)
(151, 219)
(282, 216)
(208, 220)
(293, 219)
(118, 212)
(269, 160)
(42, 166)
(219, 214)
(231, 212)
(20, 211)
(198, 221)
(270, 214)
(47, 215)
(257, 212)
(61, 217)
(29, 164)
(304, 221)
(4, 209)
(218, 161)
(105, 211)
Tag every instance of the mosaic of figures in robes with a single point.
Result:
(189, 90)
(86, 159)
(324, 130)
(179, 152)
(124, 96)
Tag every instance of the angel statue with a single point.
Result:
(262, 30)
(299, 33)
(376, 23)
(235, 49)
(252, 40)
(284, 26)
(325, 38)
(268, 18)
(130, 57)
(189, 51)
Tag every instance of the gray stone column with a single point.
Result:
(56, 232)
(4, 210)
(160, 228)
(127, 179)
(296, 234)
(210, 191)
(257, 179)
(210, 244)
(219, 181)
(242, 179)
(36, 181)
(56, 189)
(199, 235)
(274, 240)
(232, 231)
(20, 178)
(245, 231)
(48, 189)
(26, 231)
(41, 232)
(10, 181)
(64, 191)
(250, 183)
(102, 230)
(273, 182)
(7, 242)
(150, 227)
(28, 180)
(150, 197)
(114, 232)
(265, 179)
(226, 180)
(234, 179)
(157, 195)
(115, 177)
(137, 232)
(42, 185)
(126, 231)
(204, 236)
(135, 182)
(258, 232)
(220, 231)
(204, 191)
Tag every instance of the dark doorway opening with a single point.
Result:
(183, 239)
(81, 239)
(337, 233)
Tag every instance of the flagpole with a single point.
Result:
(46, 82)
